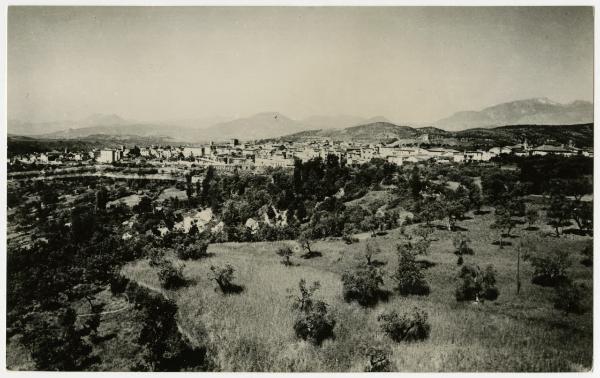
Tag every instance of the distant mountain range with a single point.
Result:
(537, 111)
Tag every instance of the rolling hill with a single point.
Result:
(581, 135)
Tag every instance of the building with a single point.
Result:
(109, 156)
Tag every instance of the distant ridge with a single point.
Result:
(537, 111)
(534, 111)
(382, 132)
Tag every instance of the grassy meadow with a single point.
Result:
(253, 330)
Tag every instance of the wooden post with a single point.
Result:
(519, 267)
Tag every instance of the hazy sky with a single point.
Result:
(408, 64)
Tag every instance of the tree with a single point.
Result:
(414, 183)
(583, 214)
(101, 199)
(475, 285)
(371, 223)
(305, 300)
(224, 277)
(532, 216)
(286, 252)
(409, 276)
(371, 248)
(305, 242)
(171, 277)
(206, 186)
(56, 343)
(453, 210)
(559, 209)
(362, 284)
(410, 326)
(144, 206)
(503, 222)
(431, 210)
(550, 269)
(461, 246)
(164, 348)
(313, 322)
(193, 251)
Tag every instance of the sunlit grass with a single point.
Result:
(252, 331)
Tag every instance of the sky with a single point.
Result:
(409, 64)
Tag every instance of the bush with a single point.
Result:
(409, 275)
(362, 285)
(550, 270)
(193, 251)
(286, 252)
(379, 360)
(476, 285)
(410, 326)
(349, 239)
(118, 283)
(314, 324)
(461, 245)
(568, 298)
(171, 277)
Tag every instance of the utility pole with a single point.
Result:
(519, 267)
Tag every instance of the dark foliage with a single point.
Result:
(409, 276)
(362, 285)
(550, 269)
(171, 277)
(568, 297)
(476, 285)
(313, 322)
(410, 326)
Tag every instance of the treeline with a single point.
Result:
(24, 146)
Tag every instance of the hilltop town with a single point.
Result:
(258, 155)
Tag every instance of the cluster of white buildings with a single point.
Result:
(250, 155)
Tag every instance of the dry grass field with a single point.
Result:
(252, 330)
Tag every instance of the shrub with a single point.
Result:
(568, 298)
(349, 239)
(193, 251)
(410, 326)
(476, 285)
(378, 360)
(550, 270)
(312, 323)
(409, 275)
(286, 252)
(461, 244)
(362, 285)
(171, 277)
(155, 257)
(118, 283)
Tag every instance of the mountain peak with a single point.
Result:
(99, 119)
